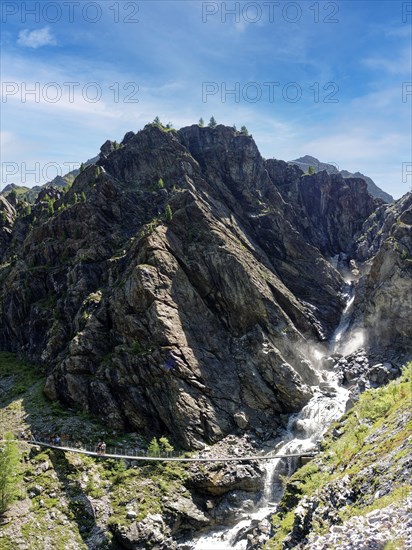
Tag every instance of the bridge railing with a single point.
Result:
(91, 447)
(130, 453)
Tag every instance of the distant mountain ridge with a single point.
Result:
(31, 193)
(374, 190)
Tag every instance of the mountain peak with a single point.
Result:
(171, 265)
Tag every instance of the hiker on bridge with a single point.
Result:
(101, 448)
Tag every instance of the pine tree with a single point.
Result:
(234, 127)
(157, 121)
(165, 445)
(212, 122)
(153, 448)
(82, 167)
(9, 470)
(201, 122)
(244, 131)
(311, 170)
(83, 197)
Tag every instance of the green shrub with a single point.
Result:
(168, 213)
(137, 347)
(9, 470)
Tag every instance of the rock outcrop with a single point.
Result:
(305, 162)
(383, 302)
(178, 285)
(7, 217)
(330, 210)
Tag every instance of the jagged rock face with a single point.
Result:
(173, 289)
(8, 212)
(246, 186)
(330, 210)
(373, 189)
(305, 162)
(7, 217)
(336, 208)
(383, 302)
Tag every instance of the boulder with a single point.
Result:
(151, 532)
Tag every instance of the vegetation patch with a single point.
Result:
(369, 446)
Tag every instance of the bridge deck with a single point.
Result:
(146, 458)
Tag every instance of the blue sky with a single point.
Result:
(328, 79)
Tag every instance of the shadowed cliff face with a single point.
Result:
(330, 209)
(7, 217)
(177, 286)
(384, 303)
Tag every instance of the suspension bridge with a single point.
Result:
(139, 455)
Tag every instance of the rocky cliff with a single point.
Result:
(7, 217)
(383, 303)
(179, 285)
(305, 162)
(329, 209)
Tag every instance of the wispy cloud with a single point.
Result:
(400, 64)
(36, 39)
(368, 129)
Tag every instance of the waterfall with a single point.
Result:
(336, 341)
(302, 434)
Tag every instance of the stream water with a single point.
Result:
(302, 434)
(335, 343)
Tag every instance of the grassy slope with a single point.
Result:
(81, 497)
(371, 445)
